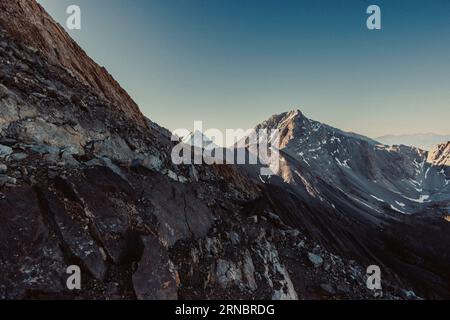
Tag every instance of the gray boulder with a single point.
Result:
(5, 151)
(315, 259)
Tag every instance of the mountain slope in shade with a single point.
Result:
(425, 141)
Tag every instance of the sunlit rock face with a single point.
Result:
(440, 155)
(86, 180)
(28, 22)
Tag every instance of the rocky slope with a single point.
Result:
(29, 23)
(86, 180)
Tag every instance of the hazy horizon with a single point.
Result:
(233, 64)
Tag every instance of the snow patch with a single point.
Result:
(426, 173)
(422, 198)
(398, 210)
(365, 204)
(378, 199)
(343, 164)
(401, 204)
(333, 139)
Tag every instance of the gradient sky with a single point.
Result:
(233, 63)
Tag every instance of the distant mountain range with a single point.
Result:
(425, 141)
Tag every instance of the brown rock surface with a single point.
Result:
(28, 22)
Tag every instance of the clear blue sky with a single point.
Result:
(233, 63)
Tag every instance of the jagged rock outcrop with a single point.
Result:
(86, 180)
(28, 22)
(156, 277)
(31, 259)
(254, 255)
(440, 155)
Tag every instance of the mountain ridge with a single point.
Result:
(28, 22)
(426, 141)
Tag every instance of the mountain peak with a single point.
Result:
(199, 140)
(294, 115)
(295, 112)
(279, 121)
(295, 125)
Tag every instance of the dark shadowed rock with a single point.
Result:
(328, 289)
(156, 277)
(3, 179)
(179, 213)
(105, 204)
(73, 229)
(31, 260)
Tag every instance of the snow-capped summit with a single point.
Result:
(376, 177)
